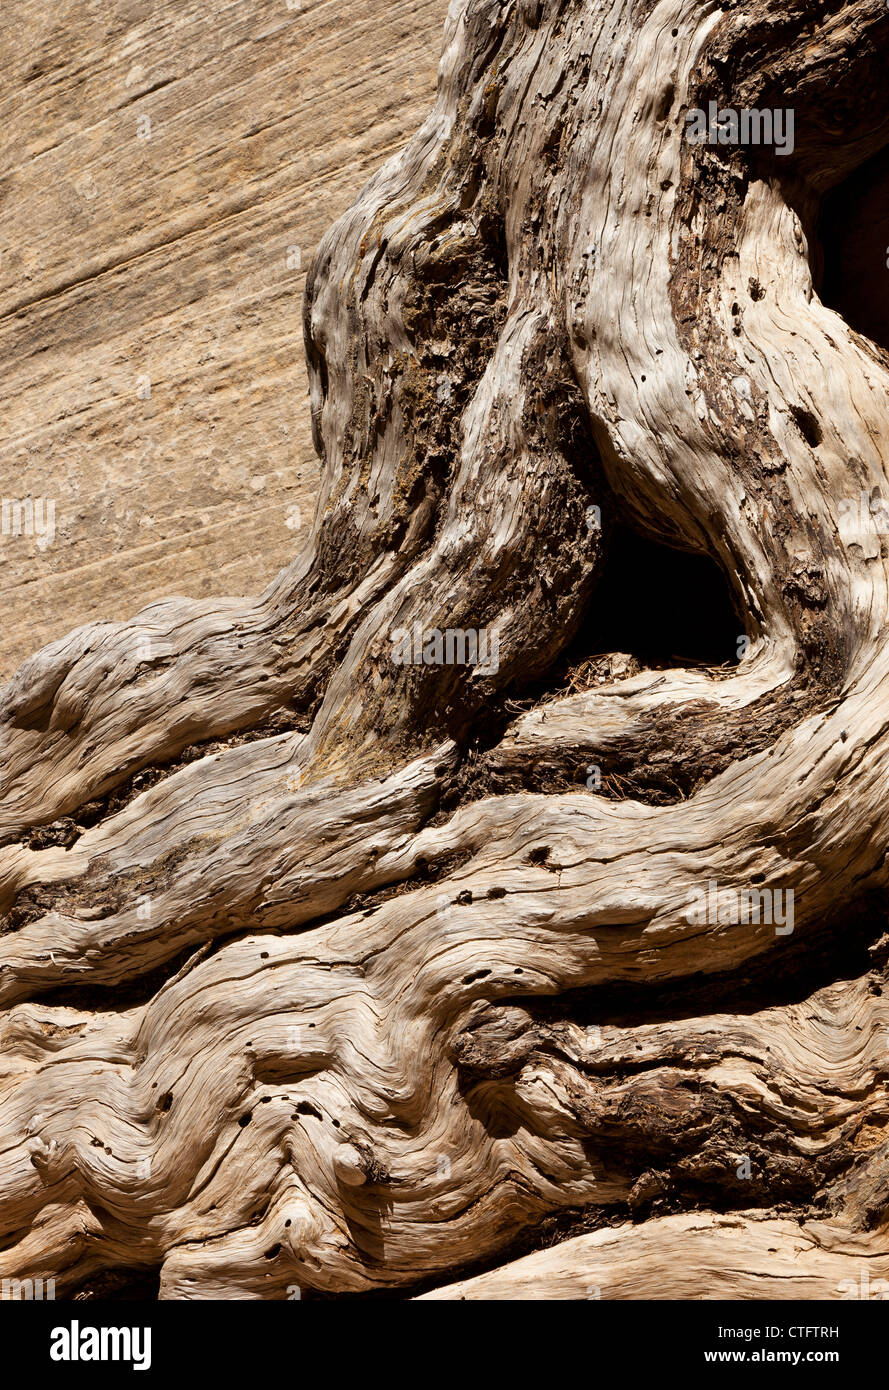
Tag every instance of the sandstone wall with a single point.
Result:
(167, 168)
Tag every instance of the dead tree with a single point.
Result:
(331, 966)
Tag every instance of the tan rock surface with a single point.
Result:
(166, 171)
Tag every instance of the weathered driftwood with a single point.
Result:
(309, 982)
(741, 1256)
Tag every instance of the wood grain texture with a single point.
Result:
(309, 976)
(714, 1257)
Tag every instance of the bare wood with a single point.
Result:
(741, 1256)
(549, 303)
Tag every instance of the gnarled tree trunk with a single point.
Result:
(326, 969)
